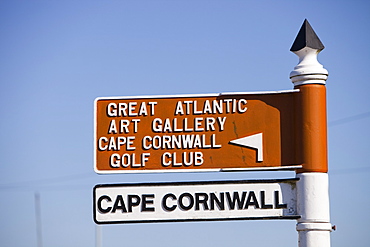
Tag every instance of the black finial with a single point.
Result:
(307, 38)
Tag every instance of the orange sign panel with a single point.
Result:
(195, 132)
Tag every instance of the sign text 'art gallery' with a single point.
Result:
(182, 132)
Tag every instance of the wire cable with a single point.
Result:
(348, 119)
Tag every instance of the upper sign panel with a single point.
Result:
(194, 132)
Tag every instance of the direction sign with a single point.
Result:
(195, 201)
(212, 132)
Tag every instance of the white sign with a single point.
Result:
(195, 201)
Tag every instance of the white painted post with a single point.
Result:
(313, 205)
(309, 77)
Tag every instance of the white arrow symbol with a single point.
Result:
(253, 141)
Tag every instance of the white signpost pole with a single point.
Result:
(309, 77)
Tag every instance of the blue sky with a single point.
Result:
(58, 56)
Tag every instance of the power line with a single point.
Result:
(44, 181)
(348, 119)
(349, 170)
(41, 182)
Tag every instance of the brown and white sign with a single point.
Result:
(212, 132)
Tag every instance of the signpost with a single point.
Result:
(195, 201)
(221, 132)
(213, 132)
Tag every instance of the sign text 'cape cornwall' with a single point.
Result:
(211, 132)
(195, 201)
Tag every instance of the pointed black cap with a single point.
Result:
(307, 38)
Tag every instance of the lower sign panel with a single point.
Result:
(195, 201)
